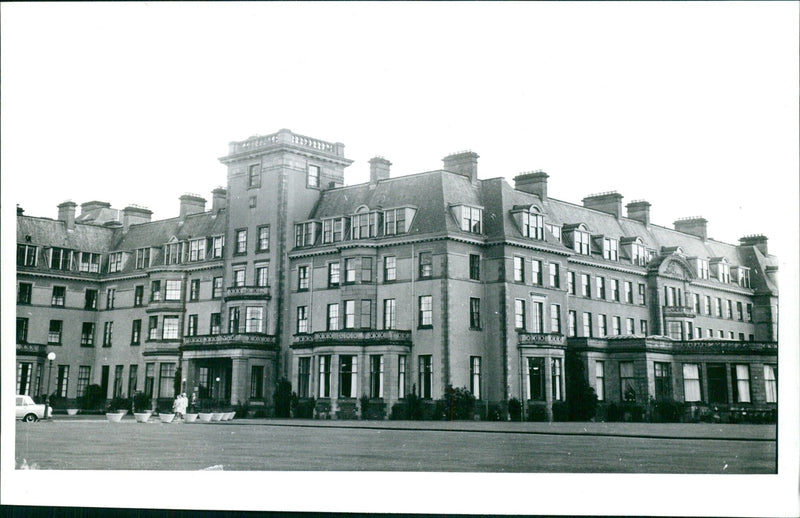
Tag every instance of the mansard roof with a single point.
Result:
(50, 232)
(158, 233)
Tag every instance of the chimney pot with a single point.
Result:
(532, 183)
(639, 210)
(219, 199)
(695, 225)
(192, 204)
(608, 202)
(758, 240)
(464, 163)
(378, 169)
(66, 213)
(133, 215)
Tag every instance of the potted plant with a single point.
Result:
(141, 407)
(206, 412)
(116, 409)
(191, 414)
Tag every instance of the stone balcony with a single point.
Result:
(161, 347)
(285, 136)
(258, 341)
(353, 337)
(27, 349)
(248, 292)
(541, 339)
(663, 344)
(678, 312)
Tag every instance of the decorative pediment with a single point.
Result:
(676, 266)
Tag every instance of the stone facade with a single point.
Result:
(398, 285)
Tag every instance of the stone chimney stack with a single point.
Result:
(533, 183)
(464, 163)
(758, 240)
(219, 199)
(695, 225)
(378, 169)
(639, 210)
(66, 213)
(192, 204)
(609, 202)
(133, 215)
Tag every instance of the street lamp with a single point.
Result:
(218, 398)
(50, 356)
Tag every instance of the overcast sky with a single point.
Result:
(691, 106)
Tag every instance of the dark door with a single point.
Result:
(104, 381)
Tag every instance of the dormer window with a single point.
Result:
(89, 262)
(580, 242)
(395, 221)
(197, 250)
(555, 230)
(305, 233)
(471, 219)
(721, 269)
(364, 224)
(60, 258)
(333, 230)
(531, 222)
(638, 253)
(702, 268)
(743, 276)
(114, 262)
(215, 246)
(142, 258)
(173, 253)
(610, 250)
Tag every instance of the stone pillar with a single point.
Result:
(334, 385)
(239, 381)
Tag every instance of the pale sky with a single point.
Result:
(691, 106)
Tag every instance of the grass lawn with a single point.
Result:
(275, 445)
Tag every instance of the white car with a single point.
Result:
(29, 411)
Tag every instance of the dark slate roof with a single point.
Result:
(50, 232)
(158, 233)
(422, 191)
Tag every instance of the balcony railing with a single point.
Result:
(354, 337)
(670, 346)
(247, 292)
(678, 312)
(31, 349)
(549, 339)
(259, 341)
(285, 137)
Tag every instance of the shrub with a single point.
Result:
(561, 411)
(537, 413)
(283, 398)
(413, 406)
(93, 399)
(241, 409)
(142, 402)
(399, 411)
(581, 398)
(499, 411)
(667, 412)
(303, 408)
(177, 381)
(515, 409)
(58, 402)
(119, 403)
(612, 413)
(458, 403)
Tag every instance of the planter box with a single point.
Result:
(114, 417)
(216, 416)
(72, 411)
(166, 418)
(228, 416)
(141, 417)
(190, 418)
(205, 417)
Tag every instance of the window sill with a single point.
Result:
(262, 251)
(425, 327)
(301, 290)
(135, 345)
(476, 329)
(88, 346)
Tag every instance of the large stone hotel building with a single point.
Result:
(401, 284)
